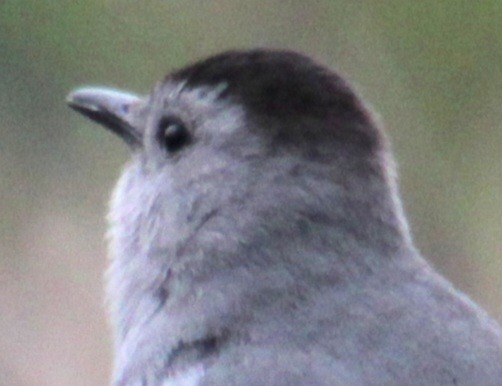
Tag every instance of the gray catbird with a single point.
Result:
(258, 239)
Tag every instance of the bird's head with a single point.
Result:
(247, 148)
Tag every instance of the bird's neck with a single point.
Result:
(242, 260)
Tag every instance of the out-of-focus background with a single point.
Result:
(432, 69)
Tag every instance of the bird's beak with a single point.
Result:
(111, 108)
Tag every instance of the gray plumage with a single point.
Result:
(258, 239)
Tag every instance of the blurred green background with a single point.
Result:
(432, 69)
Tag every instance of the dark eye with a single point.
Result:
(173, 134)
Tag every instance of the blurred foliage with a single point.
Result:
(432, 69)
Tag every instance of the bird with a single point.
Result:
(257, 237)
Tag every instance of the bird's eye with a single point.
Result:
(173, 134)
